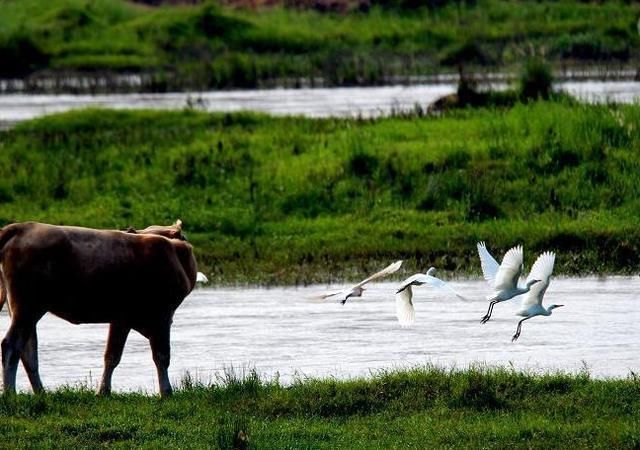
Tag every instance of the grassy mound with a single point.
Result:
(285, 200)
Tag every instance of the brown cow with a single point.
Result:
(129, 280)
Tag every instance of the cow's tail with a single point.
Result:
(6, 234)
(3, 291)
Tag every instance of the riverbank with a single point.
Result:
(352, 102)
(289, 200)
(114, 45)
(414, 408)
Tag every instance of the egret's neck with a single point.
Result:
(525, 289)
(549, 310)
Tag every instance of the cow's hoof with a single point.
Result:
(102, 392)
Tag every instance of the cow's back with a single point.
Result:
(86, 275)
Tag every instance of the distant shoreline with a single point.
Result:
(108, 82)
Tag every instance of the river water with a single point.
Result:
(283, 332)
(311, 102)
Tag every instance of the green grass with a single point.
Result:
(207, 46)
(416, 408)
(295, 200)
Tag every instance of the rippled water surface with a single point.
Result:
(283, 331)
(312, 102)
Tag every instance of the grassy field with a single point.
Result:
(295, 200)
(209, 46)
(418, 408)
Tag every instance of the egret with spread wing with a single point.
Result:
(503, 278)
(532, 303)
(358, 289)
(404, 304)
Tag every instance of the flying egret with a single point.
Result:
(532, 303)
(358, 289)
(404, 305)
(503, 278)
(201, 278)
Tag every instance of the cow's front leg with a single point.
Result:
(12, 346)
(113, 353)
(29, 357)
(161, 351)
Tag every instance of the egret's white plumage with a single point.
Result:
(357, 290)
(532, 302)
(201, 278)
(404, 304)
(503, 278)
(404, 307)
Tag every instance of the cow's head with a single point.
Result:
(171, 231)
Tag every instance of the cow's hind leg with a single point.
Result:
(12, 346)
(113, 353)
(158, 336)
(161, 350)
(29, 359)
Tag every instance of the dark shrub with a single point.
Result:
(21, 55)
(362, 164)
(536, 80)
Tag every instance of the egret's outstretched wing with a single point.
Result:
(489, 265)
(541, 270)
(404, 308)
(201, 278)
(391, 268)
(331, 294)
(543, 267)
(510, 269)
(437, 282)
(418, 278)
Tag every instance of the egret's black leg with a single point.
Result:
(487, 316)
(517, 335)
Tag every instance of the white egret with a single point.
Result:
(503, 278)
(532, 303)
(358, 289)
(201, 278)
(404, 304)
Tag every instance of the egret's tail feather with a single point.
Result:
(201, 278)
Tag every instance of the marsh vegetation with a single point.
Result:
(296, 200)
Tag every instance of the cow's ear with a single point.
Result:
(178, 224)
